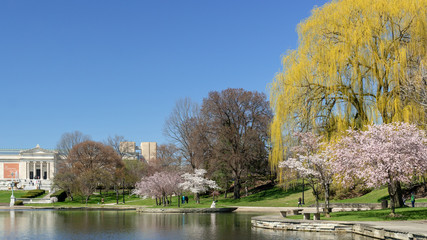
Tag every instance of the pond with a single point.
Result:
(78, 224)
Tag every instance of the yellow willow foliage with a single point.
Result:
(352, 57)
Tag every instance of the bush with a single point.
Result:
(33, 193)
(19, 202)
(61, 195)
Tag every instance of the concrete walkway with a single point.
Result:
(418, 227)
(400, 228)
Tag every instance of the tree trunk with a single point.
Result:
(303, 188)
(117, 195)
(317, 203)
(123, 191)
(225, 193)
(157, 202)
(327, 200)
(395, 192)
(316, 195)
(237, 187)
(392, 193)
(179, 200)
(399, 196)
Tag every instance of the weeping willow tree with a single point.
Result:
(349, 68)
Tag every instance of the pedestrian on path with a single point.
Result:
(413, 199)
(299, 202)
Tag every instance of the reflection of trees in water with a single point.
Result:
(132, 225)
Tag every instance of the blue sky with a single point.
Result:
(118, 67)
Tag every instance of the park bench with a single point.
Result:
(296, 211)
(316, 215)
(307, 213)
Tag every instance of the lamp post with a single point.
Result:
(12, 198)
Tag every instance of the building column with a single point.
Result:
(34, 169)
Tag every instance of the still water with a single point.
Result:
(76, 224)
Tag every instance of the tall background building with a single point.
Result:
(147, 151)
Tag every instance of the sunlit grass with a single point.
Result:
(5, 195)
(374, 196)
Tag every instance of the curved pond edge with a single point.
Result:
(366, 229)
(186, 210)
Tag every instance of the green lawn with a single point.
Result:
(5, 195)
(273, 197)
(406, 213)
(373, 197)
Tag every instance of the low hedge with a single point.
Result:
(33, 193)
(19, 202)
(61, 195)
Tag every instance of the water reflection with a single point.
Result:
(132, 225)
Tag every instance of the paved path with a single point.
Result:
(415, 227)
(419, 227)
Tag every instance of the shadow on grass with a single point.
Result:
(384, 198)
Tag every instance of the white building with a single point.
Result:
(29, 168)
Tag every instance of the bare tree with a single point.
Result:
(114, 142)
(69, 140)
(238, 123)
(180, 127)
(168, 156)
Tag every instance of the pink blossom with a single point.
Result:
(382, 154)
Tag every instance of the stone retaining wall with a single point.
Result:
(34, 200)
(333, 227)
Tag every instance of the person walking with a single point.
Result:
(413, 199)
(299, 202)
(183, 200)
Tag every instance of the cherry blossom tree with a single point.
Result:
(196, 183)
(159, 185)
(312, 164)
(383, 154)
